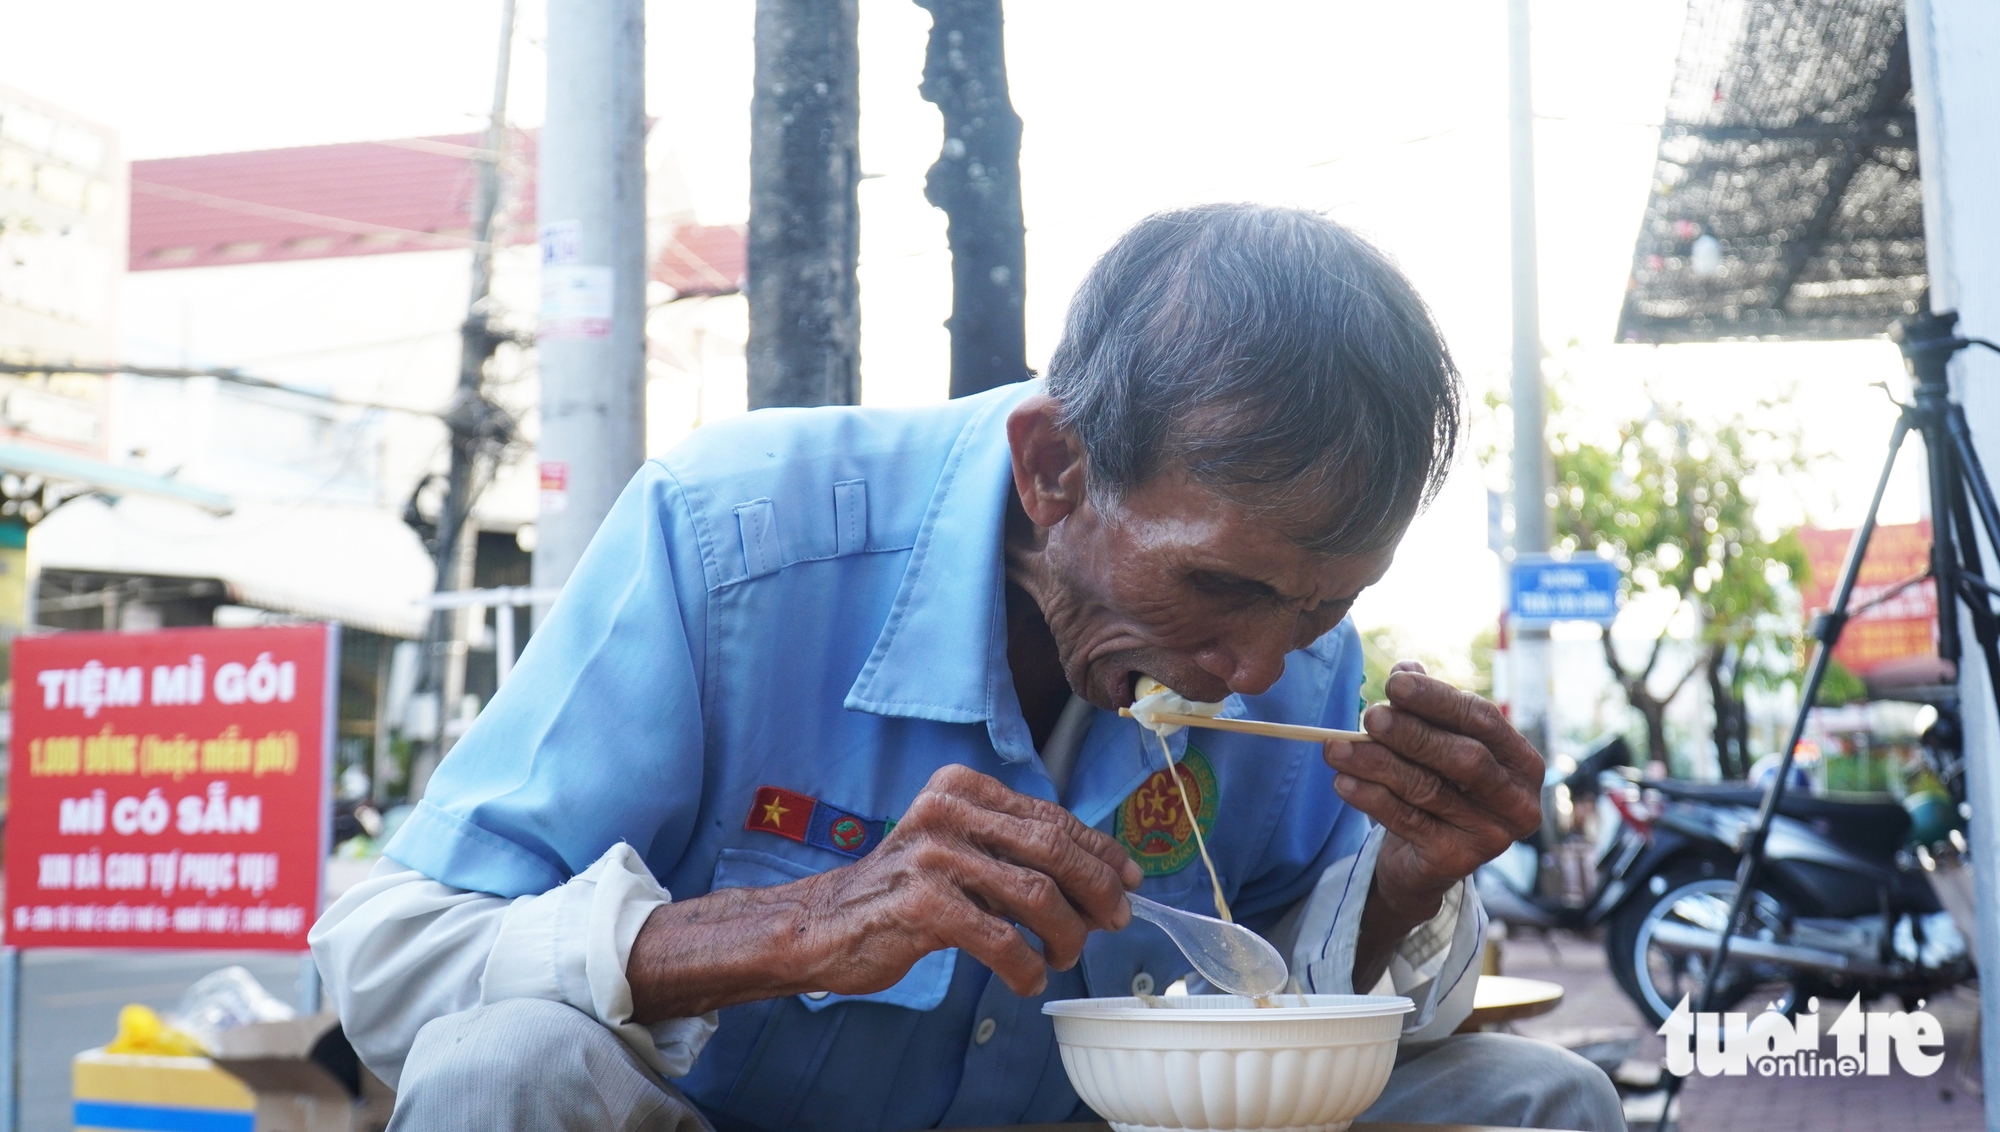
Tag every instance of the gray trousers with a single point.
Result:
(493, 1068)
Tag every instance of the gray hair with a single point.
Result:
(1275, 357)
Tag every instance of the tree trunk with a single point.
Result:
(805, 220)
(1723, 732)
(1655, 714)
(1651, 708)
(1741, 721)
(977, 182)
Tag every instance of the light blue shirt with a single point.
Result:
(812, 600)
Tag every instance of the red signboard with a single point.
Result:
(1901, 626)
(169, 790)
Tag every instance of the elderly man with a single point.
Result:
(812, 789)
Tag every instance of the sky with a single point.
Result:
(1392, 118)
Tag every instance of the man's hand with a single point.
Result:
(969, 857)
(1451, 782)
(968, 860)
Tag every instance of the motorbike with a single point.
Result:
(1571, 872)
(1845, 903)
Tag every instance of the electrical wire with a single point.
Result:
(233, 376)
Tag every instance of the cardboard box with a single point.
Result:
(129, 1090)
(291, 1076)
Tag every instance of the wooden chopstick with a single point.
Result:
(1257, 727)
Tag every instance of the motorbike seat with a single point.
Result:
(1873, 825)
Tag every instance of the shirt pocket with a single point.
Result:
(923, 988)
(1141, 958)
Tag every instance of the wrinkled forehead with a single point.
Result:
(1336, 509)
(1277, 532)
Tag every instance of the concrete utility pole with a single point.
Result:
(477, 427)
(592, 334)
(1528, 659)
(805, 213)
(977, 182)
(1955, 77)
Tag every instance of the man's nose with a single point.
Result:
(1249, 664)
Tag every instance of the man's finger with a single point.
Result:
(1476, 824)
(996, 943)
(1448, 852)
(1463, 761)
(1492, 797)
(1464, 713)
(991, 793)
(1414, 784)
(1418, 828)
(1030, 899)
(1505, 771)
(1095, 888)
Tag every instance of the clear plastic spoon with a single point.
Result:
(1230, 956)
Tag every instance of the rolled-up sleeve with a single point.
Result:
(571, 944)
(1436, 965)
(398, 950)
(524, 871)
(401, 949)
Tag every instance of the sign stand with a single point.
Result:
(10, 1039)
(308, 986)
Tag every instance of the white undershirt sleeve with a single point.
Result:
(400, 949)
(1436, 965)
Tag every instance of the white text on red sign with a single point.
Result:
(96, 686)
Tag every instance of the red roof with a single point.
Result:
(703, 259)
(366, 198)
(320, 201)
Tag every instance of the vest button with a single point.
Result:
(1142, 984)
(984, 1033)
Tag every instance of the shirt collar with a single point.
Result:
(942, 655)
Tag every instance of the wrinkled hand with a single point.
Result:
(969, 859)
(1449, 779)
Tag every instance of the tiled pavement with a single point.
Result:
(1940, 1103)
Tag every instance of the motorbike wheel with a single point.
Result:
(1655, 978)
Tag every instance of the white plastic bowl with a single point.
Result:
(1218, 1063)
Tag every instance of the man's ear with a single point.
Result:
(1049, 461)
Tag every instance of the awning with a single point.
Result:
(357, 565)
(107, 478)
(1786, 201)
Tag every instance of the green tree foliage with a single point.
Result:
(1383, 646)
(1840, 686)
(1668, 502)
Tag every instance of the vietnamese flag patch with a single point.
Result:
(781, 812)
(808, 820)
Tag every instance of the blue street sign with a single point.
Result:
(1583, 588)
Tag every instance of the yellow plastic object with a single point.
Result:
(141, 1031)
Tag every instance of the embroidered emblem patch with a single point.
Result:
(808, 820)
(1152, 824)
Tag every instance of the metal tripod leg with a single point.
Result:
(1752, 846)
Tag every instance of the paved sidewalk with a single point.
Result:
(1939, 1103)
